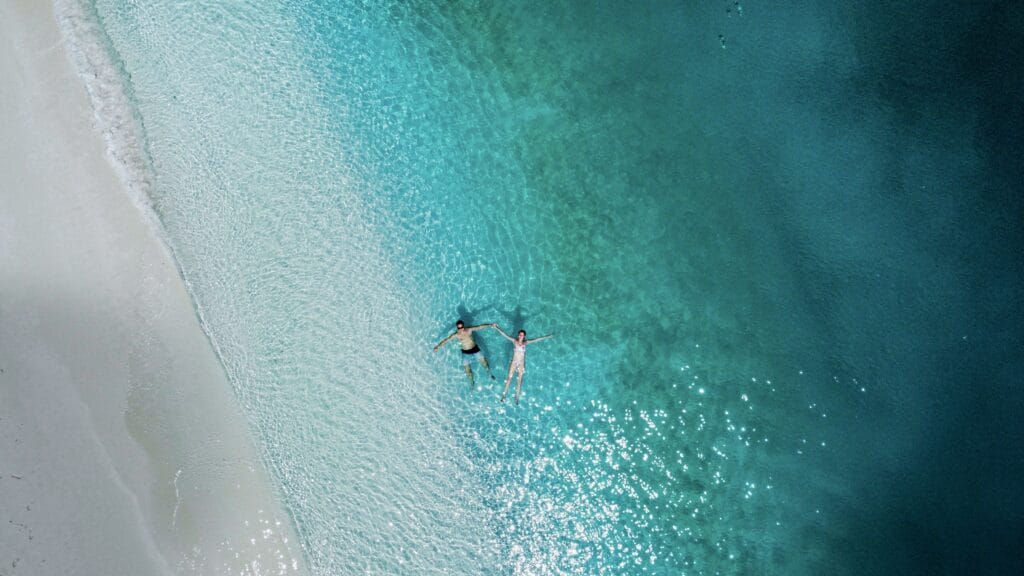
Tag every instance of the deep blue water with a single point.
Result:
(779, 246)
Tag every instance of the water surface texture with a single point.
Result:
(778, 245)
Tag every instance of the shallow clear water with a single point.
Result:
(775, 248)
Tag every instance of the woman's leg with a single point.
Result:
(519, 384)
(508, 379)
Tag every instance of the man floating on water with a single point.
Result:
(469, 347)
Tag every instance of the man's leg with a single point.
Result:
(469, 373)
(484, 362)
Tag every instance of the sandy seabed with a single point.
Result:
(122, 447)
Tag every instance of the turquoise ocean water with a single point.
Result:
(779, 247)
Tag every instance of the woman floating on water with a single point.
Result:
(518, 358)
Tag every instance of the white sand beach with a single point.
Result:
(122, 448)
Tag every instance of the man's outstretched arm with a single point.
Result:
(445, 341)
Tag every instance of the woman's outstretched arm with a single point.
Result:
(540, 338)
(502, 332)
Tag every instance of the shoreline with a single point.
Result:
(125, 449)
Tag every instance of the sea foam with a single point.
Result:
(115, 117)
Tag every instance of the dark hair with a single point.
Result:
(459, 323)
(523, 332)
